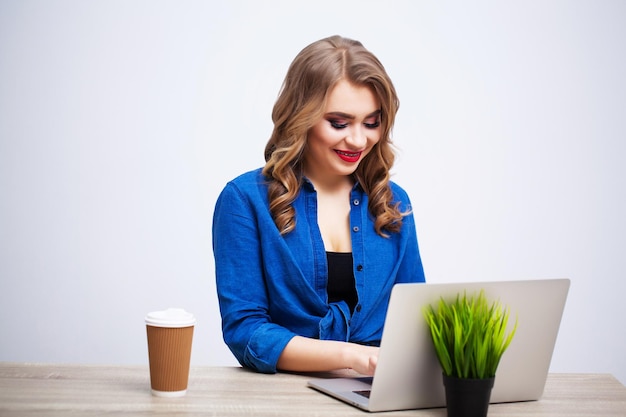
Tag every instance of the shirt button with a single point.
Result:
(356, 202)
(359, 268)
(355, 229)
(358, 308)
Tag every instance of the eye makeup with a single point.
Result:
(337, 124)
(339, 120)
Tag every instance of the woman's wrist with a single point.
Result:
(347, 355)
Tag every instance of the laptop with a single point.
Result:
(408, 374)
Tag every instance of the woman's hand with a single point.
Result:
(365, 358)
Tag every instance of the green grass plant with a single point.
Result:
(469, 335)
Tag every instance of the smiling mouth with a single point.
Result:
(348, 156)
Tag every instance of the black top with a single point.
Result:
(341, 284)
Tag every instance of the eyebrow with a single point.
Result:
(350, 116)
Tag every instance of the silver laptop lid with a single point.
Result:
(408, 374)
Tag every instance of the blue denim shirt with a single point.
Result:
(272, 287)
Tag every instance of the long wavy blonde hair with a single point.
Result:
(301, 103)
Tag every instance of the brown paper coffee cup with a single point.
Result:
(170, 335)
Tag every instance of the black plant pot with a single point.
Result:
(467, 397)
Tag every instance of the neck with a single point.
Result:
(330, 184)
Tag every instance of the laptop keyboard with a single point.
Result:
(364, 393)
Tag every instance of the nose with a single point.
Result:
(356, 138)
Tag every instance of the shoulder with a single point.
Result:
(249, 178)
(248, 182)
(249, 186)
(399, 194)
(397, 189)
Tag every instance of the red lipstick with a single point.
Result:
(348, 156)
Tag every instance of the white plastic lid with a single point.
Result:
(172, 317)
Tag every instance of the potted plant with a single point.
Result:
(469, 336)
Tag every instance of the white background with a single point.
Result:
(120, 122)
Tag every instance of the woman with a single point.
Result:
(308, 248)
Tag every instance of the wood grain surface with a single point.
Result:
(89, 390)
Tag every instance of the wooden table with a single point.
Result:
(86, 390)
